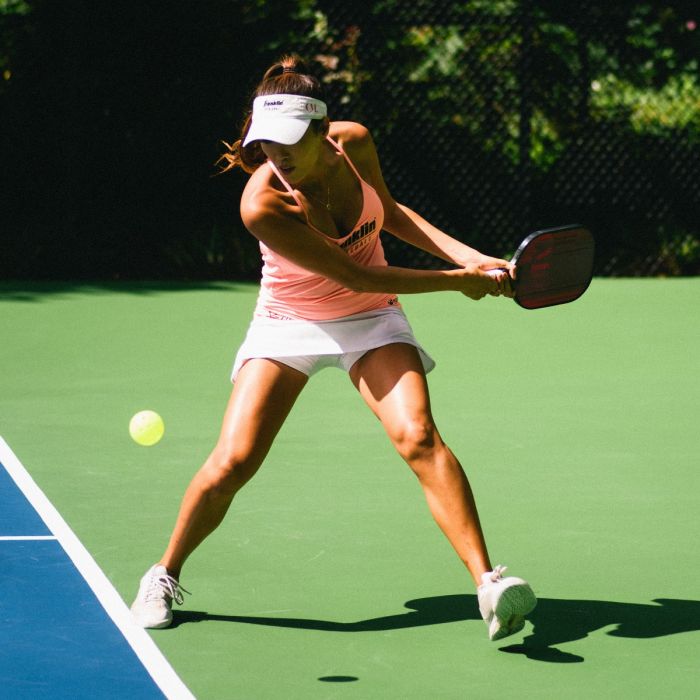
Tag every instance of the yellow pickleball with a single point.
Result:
(146, 428)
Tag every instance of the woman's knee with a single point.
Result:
(416, 440)
(227, 470)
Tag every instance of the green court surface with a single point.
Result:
(578, 427)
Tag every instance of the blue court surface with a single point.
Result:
(64, 630)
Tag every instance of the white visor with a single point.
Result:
(283, 118)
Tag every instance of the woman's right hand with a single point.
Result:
(477, 283)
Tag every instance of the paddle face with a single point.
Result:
(553, 266)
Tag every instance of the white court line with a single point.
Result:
(27, 537)
(139, 640)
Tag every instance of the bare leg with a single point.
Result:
(262, 397)
(392, 382)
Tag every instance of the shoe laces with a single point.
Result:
(497, 573)
(165, 585)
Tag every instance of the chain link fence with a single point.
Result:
(493, 118)
(497, 118)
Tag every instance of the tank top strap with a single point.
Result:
(287, 186)
(340, 149)
(291, 191)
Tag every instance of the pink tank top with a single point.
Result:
(292, 292)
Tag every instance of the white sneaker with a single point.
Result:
(153, 605)
(504, 602)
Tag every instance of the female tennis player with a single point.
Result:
(316, 201)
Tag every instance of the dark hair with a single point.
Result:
(288, 76)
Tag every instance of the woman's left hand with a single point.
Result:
(503, 272)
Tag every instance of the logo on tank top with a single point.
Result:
(359, 238)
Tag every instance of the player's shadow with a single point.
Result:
(555, 621)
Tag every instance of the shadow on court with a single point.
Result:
(554, 621)
(33, 291)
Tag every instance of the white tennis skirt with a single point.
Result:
(278, 339)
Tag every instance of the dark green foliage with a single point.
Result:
(492, 118)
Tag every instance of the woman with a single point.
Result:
(316, 201)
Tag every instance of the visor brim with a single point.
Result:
(279, 130)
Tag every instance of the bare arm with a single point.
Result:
(411, 227)
(406, 224)
(274, 222)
